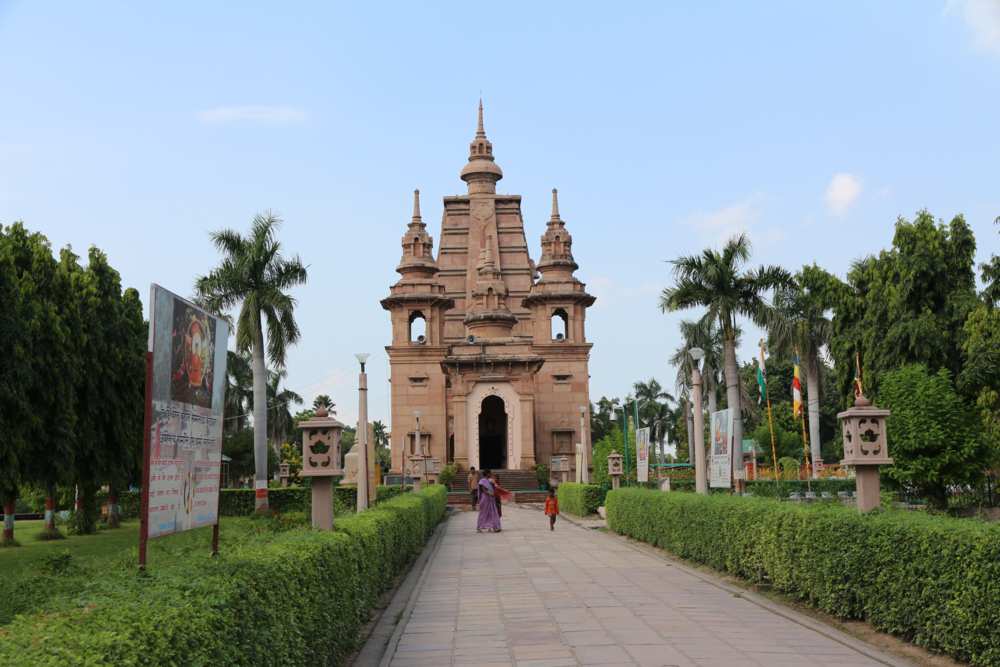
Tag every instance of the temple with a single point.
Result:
(489, 356)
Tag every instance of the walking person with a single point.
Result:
(474, 485)
(552, 508)
(497, 491)
(488, 519)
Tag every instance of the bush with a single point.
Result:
(447, 474)
(766, 488)
(579, 499)
(929, 579)
(296, 598)
(542, 475)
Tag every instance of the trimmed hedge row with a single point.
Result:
(297, 599)
(935, 581)
(240, 502)
(782, 488)
(579, 499)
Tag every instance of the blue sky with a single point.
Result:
(666, 128)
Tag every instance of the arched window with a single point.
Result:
(560, 324)
(418, 327)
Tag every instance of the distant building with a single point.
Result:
(488, 346)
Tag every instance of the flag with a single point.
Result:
(762, 377)
(796, 389)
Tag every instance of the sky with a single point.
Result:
(667, 127)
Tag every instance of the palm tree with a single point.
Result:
(323, 400)
(279, 417)
(717, 281)
(649, 394)
(255, 275)
(682, 360)
(661, 418)
(239, 391)
(799, 324)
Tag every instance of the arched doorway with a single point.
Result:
(493, 434)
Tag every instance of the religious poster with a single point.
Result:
(721, 457)
(642, 453)
(188, 390)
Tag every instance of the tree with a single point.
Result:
(381, 437)
(239, 391)
(601, 420)
(279, 417)
(326, 402)
(716, 280)
(933, 435)
(907, 305)
(799, 325)
(254, 274)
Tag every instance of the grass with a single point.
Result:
(52, 575)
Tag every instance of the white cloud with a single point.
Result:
(843, 191)
(982, 17)
(722, 224)
(270, 115)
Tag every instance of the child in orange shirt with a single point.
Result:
(552, 508)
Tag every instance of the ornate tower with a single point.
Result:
(558, 301)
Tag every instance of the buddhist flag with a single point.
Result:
(796, 389)
(762, 376)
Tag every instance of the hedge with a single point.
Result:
(296, 599)
(768, 488)
(579, 499)
(932, 580)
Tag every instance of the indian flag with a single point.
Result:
(796, 389)
(762, 376)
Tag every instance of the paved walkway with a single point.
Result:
(530, 597)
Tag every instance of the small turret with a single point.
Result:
(488, 316)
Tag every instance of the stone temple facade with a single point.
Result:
(488, 348)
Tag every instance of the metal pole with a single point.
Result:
(628, 465)
(362, 496)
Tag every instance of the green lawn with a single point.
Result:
(45, 575)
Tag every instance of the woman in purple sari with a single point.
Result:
(489, 518)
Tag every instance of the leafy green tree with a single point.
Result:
(254, 274)
(381, 437)
(980, 377)
(601, 421)
(239, 391)
(907, 305)
(717, 281)
(279, 415)
(799, 325)
(933, 434)
(325, 401)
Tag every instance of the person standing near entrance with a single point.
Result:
(474, 485)
(488, 518)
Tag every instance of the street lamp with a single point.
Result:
(700, 478)
(363, 491)
(584, 446)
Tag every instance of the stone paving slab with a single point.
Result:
(530, 597)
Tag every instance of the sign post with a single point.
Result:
(720, 474)
(182, 441)
(642, 453)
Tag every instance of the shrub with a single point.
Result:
(929, 579)
(447, 474)
(579, 499)
(766, 488)
(296, 598)
(542, 475)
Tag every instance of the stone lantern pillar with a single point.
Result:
(866, 448)
(615, 468)
(284, 472)
(321, 461)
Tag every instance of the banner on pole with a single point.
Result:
(642, 453)
(721, 463)
(188, 348)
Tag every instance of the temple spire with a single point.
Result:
(481, 172)
(555, 204)
(416, 207)
(481, 129)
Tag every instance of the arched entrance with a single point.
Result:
(493, 434)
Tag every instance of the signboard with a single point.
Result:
(642, 454)
(721, 459)
(186, 385)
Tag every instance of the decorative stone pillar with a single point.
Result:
(321, 461)
(866, 448)
(615, 468)
(284, 472)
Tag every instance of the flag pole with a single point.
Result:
(770, 417)
(802, 418)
